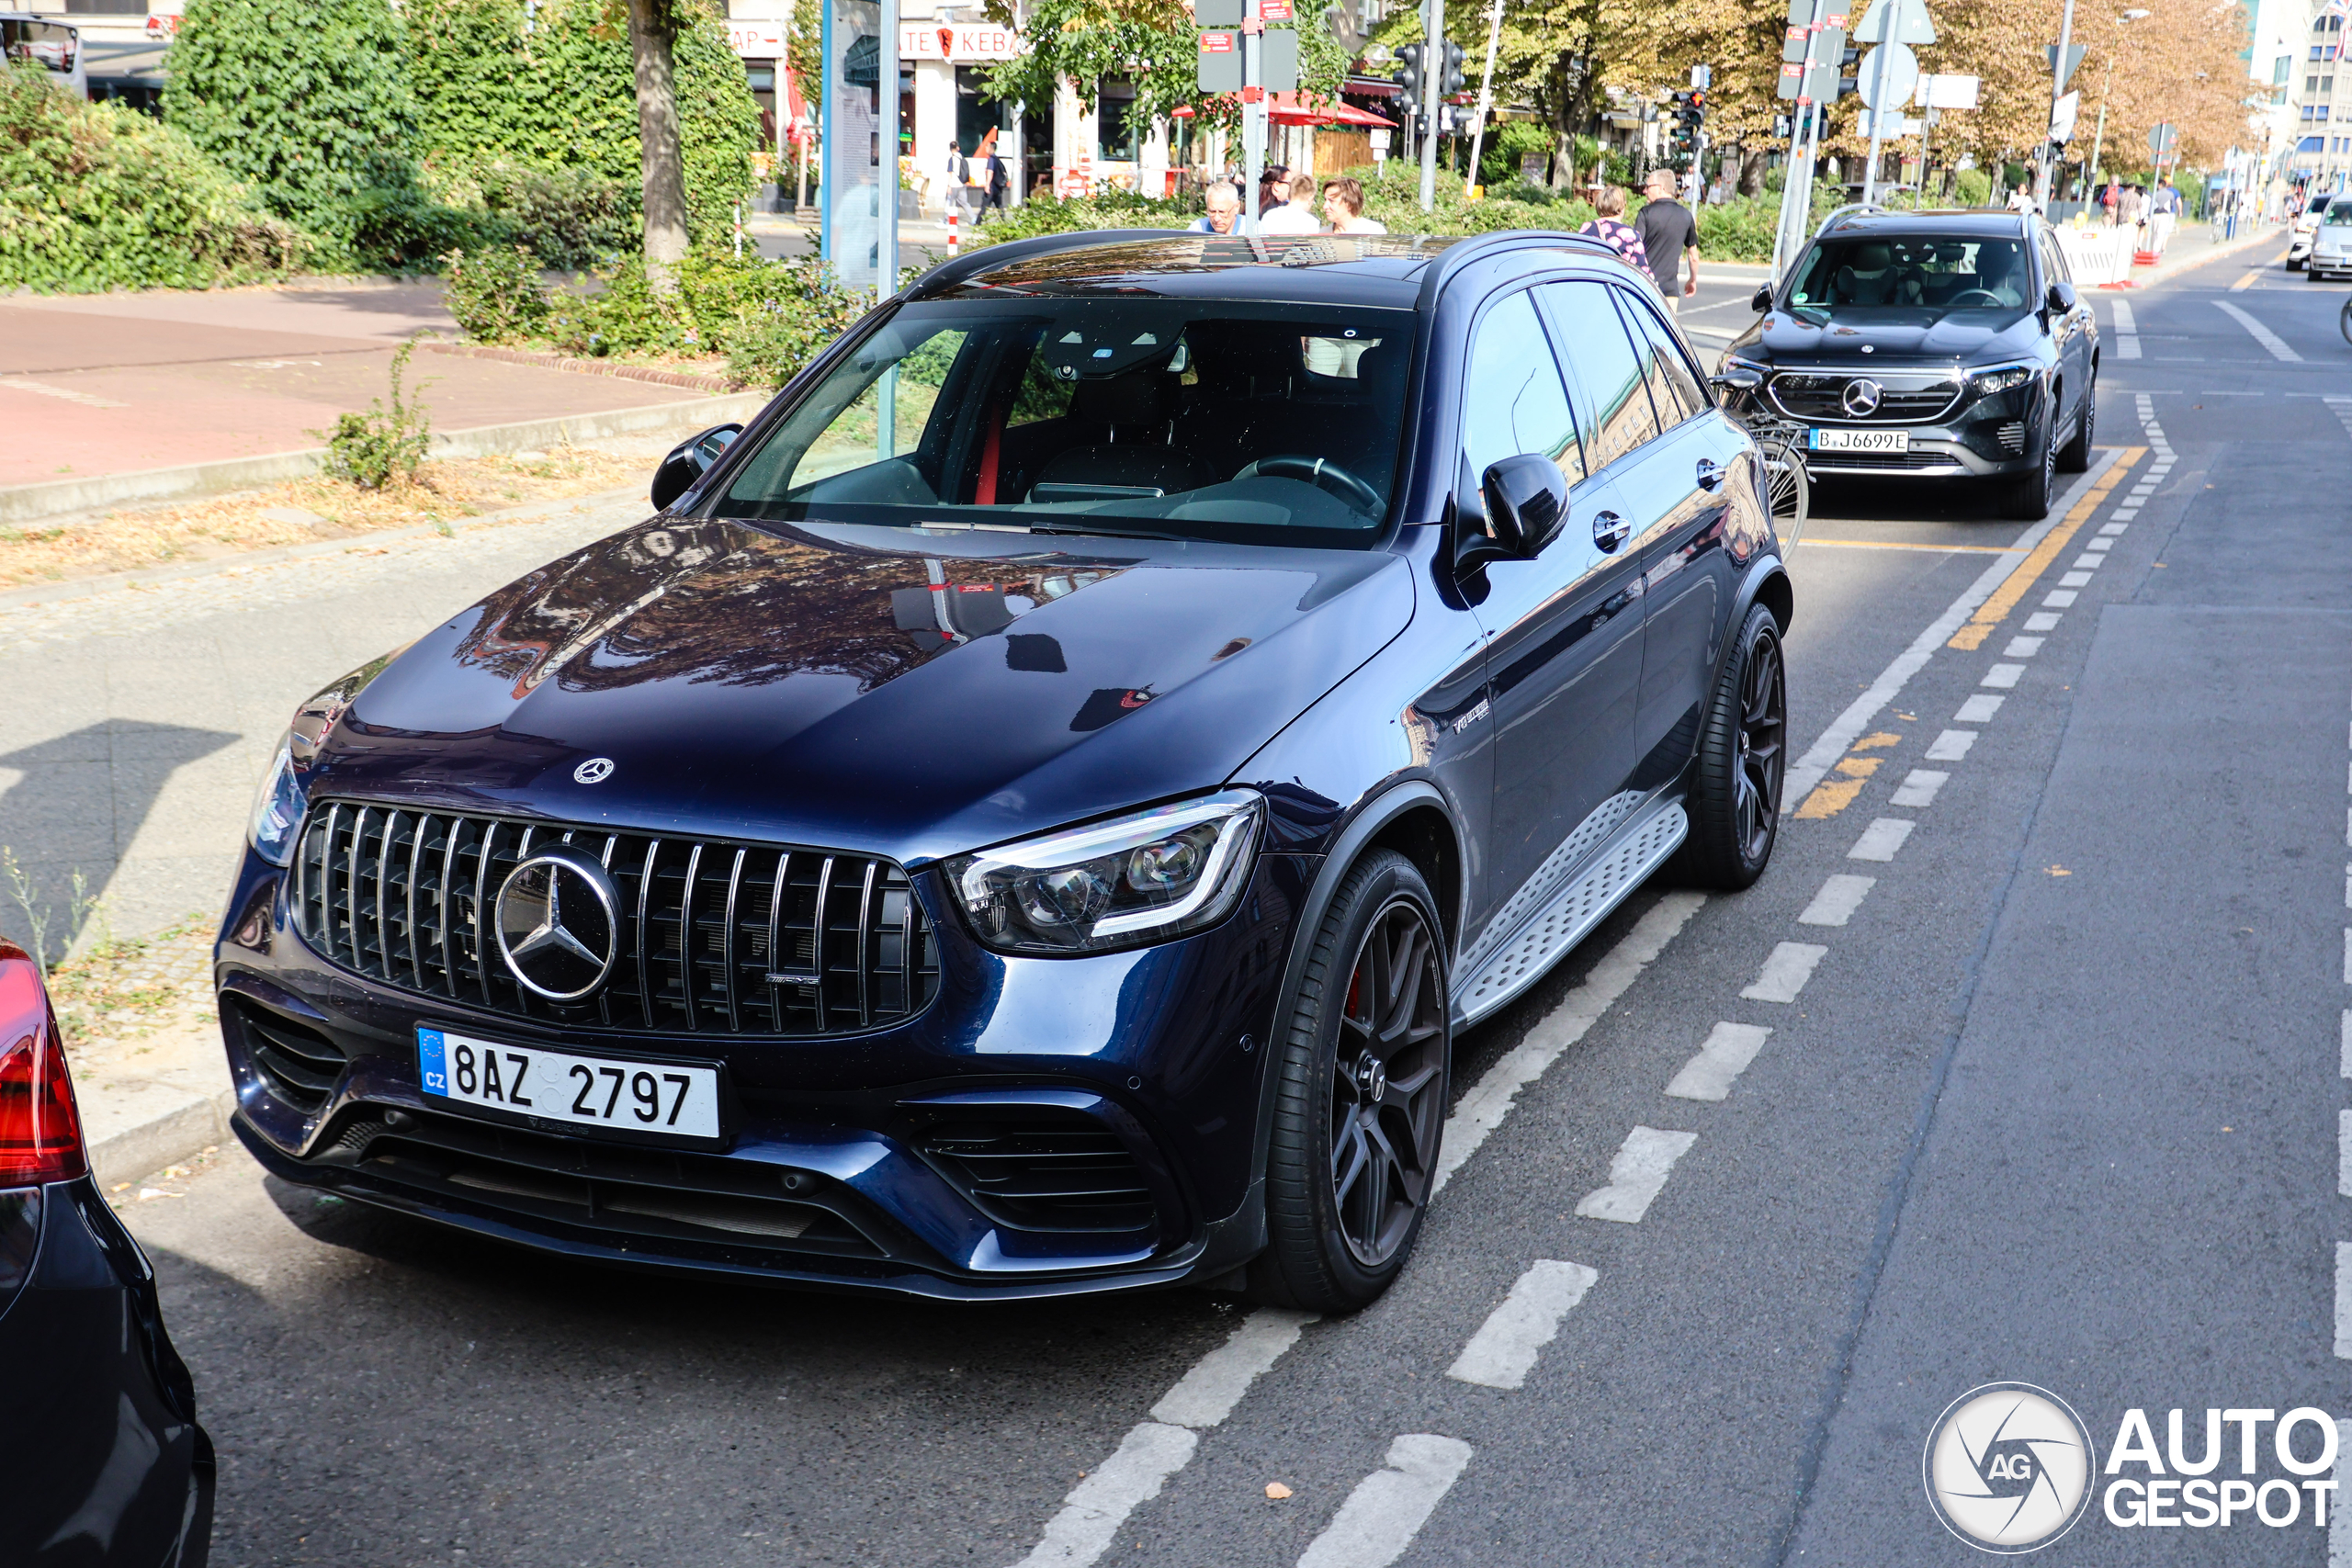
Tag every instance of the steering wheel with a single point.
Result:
(1974, 296)
(1322, 473)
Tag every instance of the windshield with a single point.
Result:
(1191, 419)
(1912, 272)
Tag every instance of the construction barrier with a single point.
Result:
(2097, 256)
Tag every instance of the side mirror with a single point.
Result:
(2061, 297)
(688, 462)
(1527, 505)
(1762, 301)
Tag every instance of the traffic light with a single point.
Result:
(1680, 134)
(1408, 79)
(1450, 82)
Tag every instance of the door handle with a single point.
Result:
(1608, 530)
(1711, 474)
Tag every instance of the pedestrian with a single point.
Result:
(2108, 194)
(1669, 239)
(1295, 215)
(2164, 212)
(1223, 200)
(1612, 229)
(1273, 188)
(2128, 213)
(1343, 206)
(956, 173)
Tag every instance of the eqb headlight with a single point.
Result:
(1998, 379)
(278, 807)
(1137, 879)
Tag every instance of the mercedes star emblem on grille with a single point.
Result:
(595, 770)
(1861, 397)
(558, 923)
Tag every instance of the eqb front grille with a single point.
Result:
(1819, 398)
(716, 937)
(1045, 1174)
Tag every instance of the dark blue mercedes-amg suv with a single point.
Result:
(1029, 813)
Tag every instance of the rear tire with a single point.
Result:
(1363, 1068)
(2075, 456)
(1734, 800)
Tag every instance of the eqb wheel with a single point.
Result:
(1735, 799)
(2027, 497)
(2075, 456)
(1359, 1096)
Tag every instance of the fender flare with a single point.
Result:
(1353, 838)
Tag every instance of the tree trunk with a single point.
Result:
(651, 29)
(1751, 169)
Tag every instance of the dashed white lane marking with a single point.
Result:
(2276, 346)
(1389, 1506)
(2002, 676)
(2075, 580)
(2090, 562)
(2347, 956)
(1503, 1351)
(1636, 1175)
(2022, 648)
(1918, 789)
(2342, 408)
(2040, 622)
(1729, 1048)
(2344, 1300)
(2110, 530)
(1952, 746)
(2127, 332)
(2059, 598)
(1785, 973)
(2343, 1153)
(2339, 1526)
(2344, 1044)
(1977, 709)
(1155, 1449)
(1882, 839)
(1484, 1108)
(1835, 903)
(1833, 743)
(88, 400)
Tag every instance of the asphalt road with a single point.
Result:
(2054, 1103)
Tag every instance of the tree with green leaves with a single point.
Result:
(308, 105)
(1151, 43)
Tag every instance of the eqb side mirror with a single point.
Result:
(1762, 301)
(688, 462)
(2061, 297)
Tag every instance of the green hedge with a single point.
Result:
(94, 197)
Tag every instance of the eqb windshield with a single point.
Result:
(1208, 418)
(1924, 272)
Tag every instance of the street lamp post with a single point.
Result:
(2057, 91)
(2098, 138)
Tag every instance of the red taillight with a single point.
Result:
(41, 1135)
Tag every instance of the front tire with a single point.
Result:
(1360, 1101)
(2027, 497)
(1734, 800)
(2075, 456)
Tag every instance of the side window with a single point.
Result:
(1673, 384)
(2054, 261)
(1617, 416)
(1513, 402)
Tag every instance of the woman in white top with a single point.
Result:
(1344, 205)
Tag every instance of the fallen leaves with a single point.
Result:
(1277, 1491)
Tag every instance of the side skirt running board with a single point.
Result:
(1572, 913)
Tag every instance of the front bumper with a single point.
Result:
(866, 1161)
(1984, 436)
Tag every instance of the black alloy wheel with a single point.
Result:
(1361, 1096)
(2075, 456)
(2026, 498)
(1735, 799)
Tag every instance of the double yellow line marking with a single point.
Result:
(2005, 598)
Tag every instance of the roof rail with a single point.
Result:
(1847, 210)
(955, 269)
(1479, 247)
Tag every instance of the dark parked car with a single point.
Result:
(102, 1464)
(1931, 345)
(1029, 814)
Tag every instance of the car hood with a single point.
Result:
(890, 691)
(1893, 339)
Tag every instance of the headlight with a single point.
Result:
(1137, 879)
(1998, 379)
(278, 809)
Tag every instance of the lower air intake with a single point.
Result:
(1041, 1172)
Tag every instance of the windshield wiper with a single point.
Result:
(1115, 533)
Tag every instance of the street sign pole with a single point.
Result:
(2058, 74)
(1796, 181)
(1879, 62)
(1253, 116)
(1434, 31)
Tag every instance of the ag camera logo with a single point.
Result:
(2008, 1468)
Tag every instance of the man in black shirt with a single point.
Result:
(1669, 237)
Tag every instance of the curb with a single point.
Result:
(135, 1131)
(2166, 272)
(26, 504)
(89, 587)
(578, 367)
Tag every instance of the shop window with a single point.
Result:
(1116, 131)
